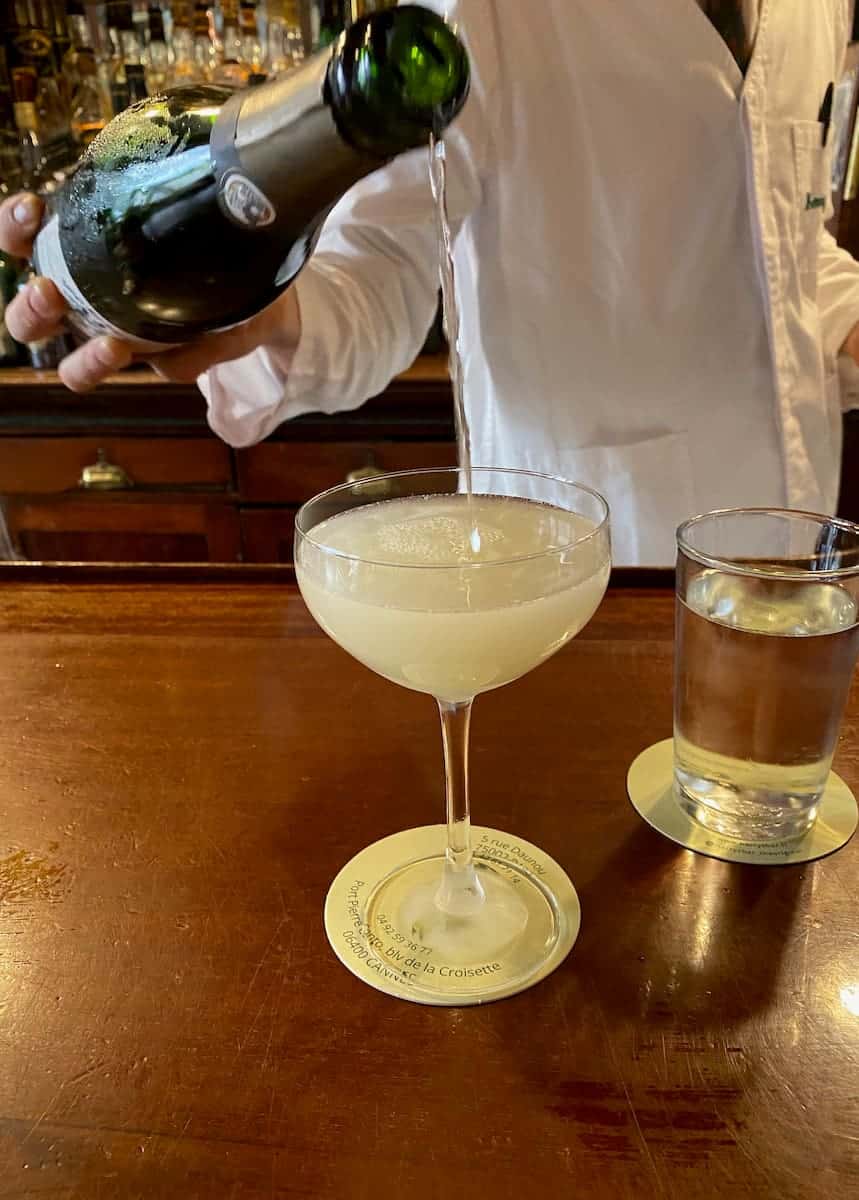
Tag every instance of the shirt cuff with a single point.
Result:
(311, 366)
(250, 396)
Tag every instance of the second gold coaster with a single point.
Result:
(650, 784)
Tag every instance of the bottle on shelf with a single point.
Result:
(140, 22)
(252, 53)
(183, 66)
(135, 74)
(31, 155)
(10, 163)
(59, 29)
(29, 46)
(51, 111)
(86, 104)
(11, 353)
(232, 70)
(126, 51)
(157, 57)
(205, 48)
(195, 211)
(71, 65)
(285, 44)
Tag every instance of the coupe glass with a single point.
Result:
(453, 595)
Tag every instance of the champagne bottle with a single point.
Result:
(194, 210)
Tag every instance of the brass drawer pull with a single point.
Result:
(369, 472)
(102, 476)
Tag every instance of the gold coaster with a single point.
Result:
(388, 961)
(650, 784)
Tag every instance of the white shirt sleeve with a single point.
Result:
(369, 293)
(837, 293)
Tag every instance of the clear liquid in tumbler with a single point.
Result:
(762, 672)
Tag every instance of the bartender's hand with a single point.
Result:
(39, 310)
(851, 344)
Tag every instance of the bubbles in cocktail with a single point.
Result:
(401, 604)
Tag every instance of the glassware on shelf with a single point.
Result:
(232, 71)
(205, 48)
(30, 150)
(126, 80)
(87, 112)
(11, 353)
(284, 40)
(252, 50)
(183, 64)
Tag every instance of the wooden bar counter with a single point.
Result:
(185, 767)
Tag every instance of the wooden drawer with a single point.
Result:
(267, 534)
(41, 465)
(292, 472)
(123, 527)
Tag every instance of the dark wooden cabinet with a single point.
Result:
(186, 497)
(60, 464)
(267, 534)
(127, 528)
(133, 474)
(290, 472)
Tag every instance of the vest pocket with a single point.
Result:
(812, 198)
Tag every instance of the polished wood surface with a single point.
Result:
(185, 768)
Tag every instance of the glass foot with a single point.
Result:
(404, 921)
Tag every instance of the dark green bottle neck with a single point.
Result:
(393, 79)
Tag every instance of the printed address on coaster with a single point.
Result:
(394, 956)
(505, 853)
(753, 851)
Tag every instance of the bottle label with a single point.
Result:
(245, 203)
(48, 259)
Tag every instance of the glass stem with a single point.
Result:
(461, 892)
